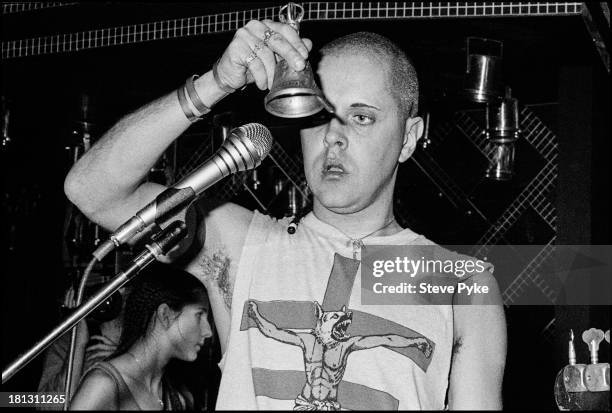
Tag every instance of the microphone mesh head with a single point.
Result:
(260, 136)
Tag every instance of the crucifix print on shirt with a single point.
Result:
(328, 333)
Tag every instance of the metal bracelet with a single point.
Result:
(193, 96)
(185, 106)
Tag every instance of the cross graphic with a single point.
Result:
(286, 385)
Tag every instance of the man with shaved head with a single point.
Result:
(401, 76)
(294, 331)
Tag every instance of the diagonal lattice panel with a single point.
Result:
(513, 212)
(473, 132)
(438, 133)
(444, 182)
(530, 274)
(533, 195)
(497, 231)
(544, 141)
(538, 134)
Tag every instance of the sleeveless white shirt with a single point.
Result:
(288, 276)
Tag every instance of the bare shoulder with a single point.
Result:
(479, 305)
(484, 320)
(479, 317)
(228, 224)
(97, 391)
(479, 287)
(479, 349)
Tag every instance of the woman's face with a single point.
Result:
(190, 330)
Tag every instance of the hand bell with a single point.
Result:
(294, 94)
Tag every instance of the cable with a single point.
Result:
(79, 299)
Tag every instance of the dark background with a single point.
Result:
(550, 63)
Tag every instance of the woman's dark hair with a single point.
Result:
(157, 284)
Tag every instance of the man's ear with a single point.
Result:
(413, 130)
(164, 315)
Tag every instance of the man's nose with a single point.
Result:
(334, 135)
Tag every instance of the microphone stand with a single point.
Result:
(162, 243)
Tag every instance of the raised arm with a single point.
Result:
(479, 352)
(268, 329)
(107, 182)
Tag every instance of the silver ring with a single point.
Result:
(251, 57)
(267, 35)
(254, 52)
(260, 45)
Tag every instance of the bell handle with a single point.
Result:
(291, 14)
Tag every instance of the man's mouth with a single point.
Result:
(333, 170)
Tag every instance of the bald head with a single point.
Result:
(403, 82)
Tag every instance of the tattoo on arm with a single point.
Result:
(215, 266)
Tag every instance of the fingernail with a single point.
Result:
(303, 52)
(299, 64)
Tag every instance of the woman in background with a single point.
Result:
(105, 325)
(165, 318)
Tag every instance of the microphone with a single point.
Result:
(160, 244)
(244, 149)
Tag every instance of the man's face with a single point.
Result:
(351, 163)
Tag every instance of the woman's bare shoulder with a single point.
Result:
(97, 391)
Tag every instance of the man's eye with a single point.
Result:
(363, 119)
